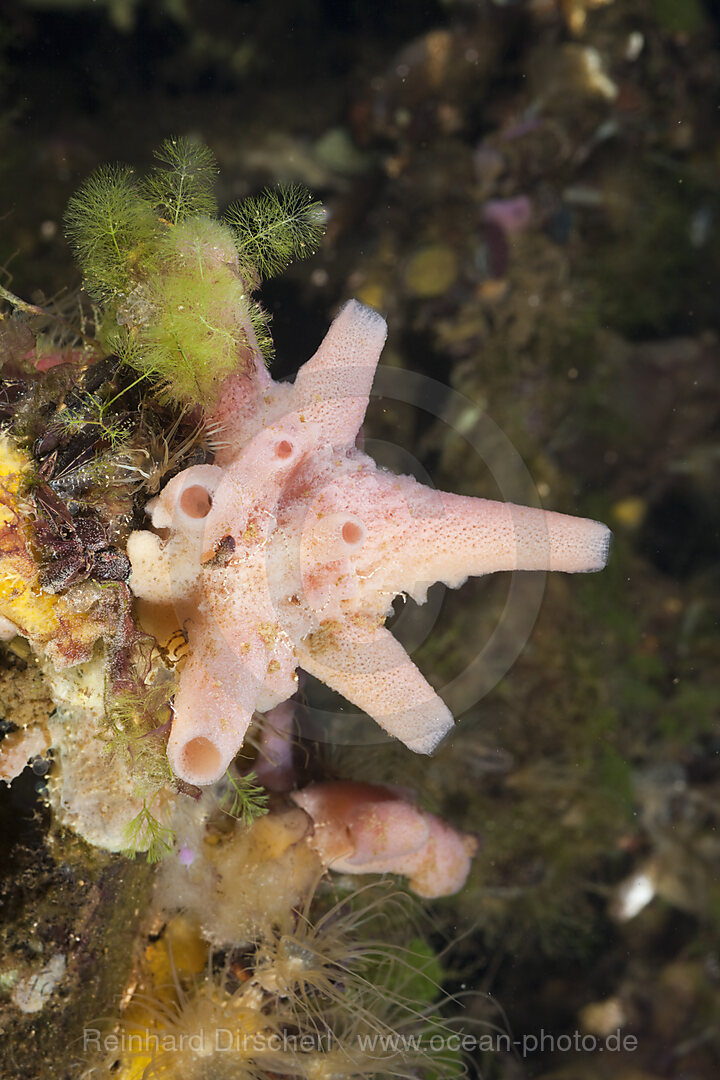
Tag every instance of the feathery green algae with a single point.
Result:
(175, 282)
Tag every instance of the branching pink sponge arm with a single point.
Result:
(333, 387)
(365, 663)
(242, 399)
(451, 537)
(290, 548)
(254, 480)
(213, 709)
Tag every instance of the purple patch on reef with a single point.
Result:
(512, 215)
(186, 855)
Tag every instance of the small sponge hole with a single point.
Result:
(284, 449)
(201, 759)
(353, 533)
(196, 501)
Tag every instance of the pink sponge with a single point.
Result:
(365, 828)
(290, 549)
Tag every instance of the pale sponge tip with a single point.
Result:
(604, 543)
(357, 334)
(593, 546)
(362, 315)
(576, 545)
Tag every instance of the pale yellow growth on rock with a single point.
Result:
(259, 873)
(89, 793)
(51, 622)
(17, 748)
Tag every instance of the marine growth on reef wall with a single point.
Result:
(279, 545)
